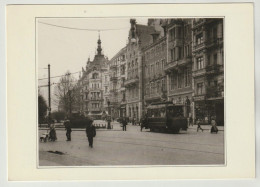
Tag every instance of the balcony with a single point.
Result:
(199, 22)
(113, 66)
(95, 89)
(94, 109)
(131, 82)
(113, 91)
(174, 64)
(123, 102)
(95, 98)
(122, 88)
(199, 72)
(214, 92)
(198, 47)
(170, 66)
(213, 69)
(214, 42)
(114, 79)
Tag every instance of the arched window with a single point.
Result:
(94, 75)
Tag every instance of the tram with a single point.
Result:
(166, 116)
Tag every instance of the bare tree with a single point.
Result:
(66, 93)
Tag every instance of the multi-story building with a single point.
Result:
(94, 83)
(208, 69)
(179, 63)
(117, 73)
(139, 36)
(154, 61)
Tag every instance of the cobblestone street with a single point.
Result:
(133, 147)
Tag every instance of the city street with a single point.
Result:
(133, 147)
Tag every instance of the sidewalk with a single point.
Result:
(205, 127)
(115, 126)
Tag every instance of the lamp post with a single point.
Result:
(109, 117)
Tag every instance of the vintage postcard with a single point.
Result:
(130, 90)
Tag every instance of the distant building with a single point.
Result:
(94, 83)
(117, 73)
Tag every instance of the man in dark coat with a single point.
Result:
(124, 123)
(67, 125)
(91, 133)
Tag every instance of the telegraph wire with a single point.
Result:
(82, 29)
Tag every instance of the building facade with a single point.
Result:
(94, 82)
(154, 77)
(208, 69)
(139, 36)
(179, 64)
(117, 73)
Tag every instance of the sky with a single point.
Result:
(69, 49)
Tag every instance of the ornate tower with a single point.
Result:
(99, 49)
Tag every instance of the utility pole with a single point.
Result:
(49, 93)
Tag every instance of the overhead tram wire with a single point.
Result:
(60, 75)
(57, 83)
(82, 29)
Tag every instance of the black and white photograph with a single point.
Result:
(130, 91)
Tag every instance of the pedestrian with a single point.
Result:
(199, 125)
(67, 125)
(144, 122)
(213, 126)
(91, 133)
(191, 121)
(52, 136)
(124, 123)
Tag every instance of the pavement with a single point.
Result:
(132, 147)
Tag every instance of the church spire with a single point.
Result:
(99, 49)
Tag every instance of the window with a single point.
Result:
(200, 88)
(172, 33)
(199, 38)
(179, 77)
(215, 58)
(215, 33)
(209, 60)
(172, 54)
(187, 50)
(173, 82)
(163, 85)
(200, 63)
(95, 76)
(187, 77)
(180, 53)
(179, 33)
